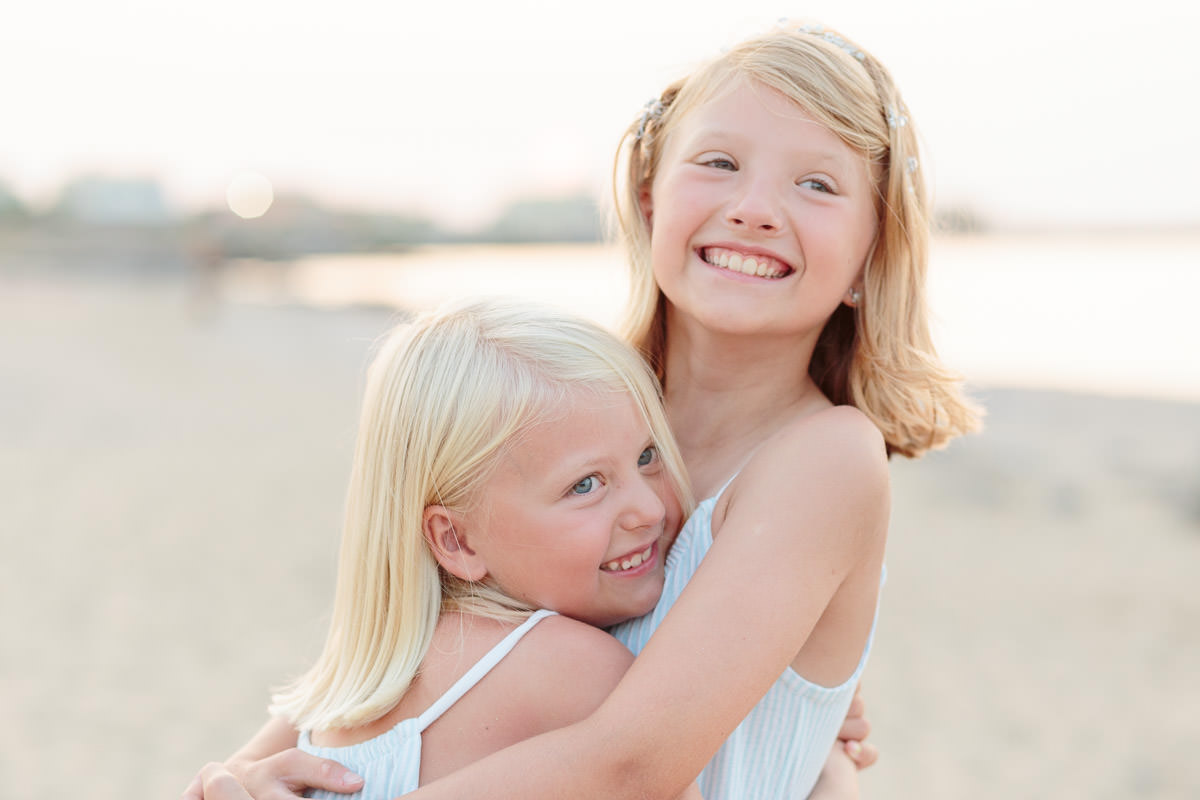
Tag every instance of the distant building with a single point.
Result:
(96, 200)
(11, 207)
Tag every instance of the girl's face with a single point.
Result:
(579, 513)
(761, 218)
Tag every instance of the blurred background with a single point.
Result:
(208, 213)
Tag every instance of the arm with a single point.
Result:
(745, 616)
(269, 767)
(839, 778)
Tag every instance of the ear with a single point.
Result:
(448, 543)
(646, 204)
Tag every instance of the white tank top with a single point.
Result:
(782, 744)
(390, 763)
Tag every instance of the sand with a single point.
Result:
(173, 476)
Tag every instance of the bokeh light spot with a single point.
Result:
(249, 195)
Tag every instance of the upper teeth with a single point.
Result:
(762, 266)
(619, 565)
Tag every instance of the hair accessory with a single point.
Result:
(896, 119)
(833, 38)
(650, 112)
(855, 296)
(911, 164)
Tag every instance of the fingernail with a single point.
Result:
(349, 779)
(854, 749)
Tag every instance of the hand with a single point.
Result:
(282, 776)
(212, 782)
(839, 778)
(854, 732)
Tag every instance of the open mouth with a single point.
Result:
(759, 264)
(629, 562)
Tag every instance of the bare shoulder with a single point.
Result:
(839, 442)
(841, 434)
(570, 667)
(829, 467)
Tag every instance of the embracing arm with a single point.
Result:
(743, 618)
(269, 767)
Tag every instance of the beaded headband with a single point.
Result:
(651, 112)
(832, 38)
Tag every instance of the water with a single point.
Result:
(1101, 313)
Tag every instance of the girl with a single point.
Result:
(776, 218)
(509, 459)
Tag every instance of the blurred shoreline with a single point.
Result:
(1092, 313)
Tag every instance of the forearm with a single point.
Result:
(579, 761)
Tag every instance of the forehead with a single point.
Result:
(744, 95)
(583, 423)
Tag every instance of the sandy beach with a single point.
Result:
(173, 475)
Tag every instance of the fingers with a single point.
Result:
(858, 706)
(294, 770)
(218, 783)
(855, 728)
(195, 789)
(863, 754)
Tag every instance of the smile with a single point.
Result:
(760, 265)
(628, 562)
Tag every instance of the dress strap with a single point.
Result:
(481, 667)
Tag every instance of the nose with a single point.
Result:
(644, 505)
(756, 208)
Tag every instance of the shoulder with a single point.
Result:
(569, 668)
(837, 442)
(829, 467)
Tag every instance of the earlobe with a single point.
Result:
(448, 542)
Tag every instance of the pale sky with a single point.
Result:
(1035, 112)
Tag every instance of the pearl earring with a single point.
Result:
(855, 296)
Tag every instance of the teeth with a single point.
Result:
(762, 266)
(634, 560)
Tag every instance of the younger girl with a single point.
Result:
(509, 459)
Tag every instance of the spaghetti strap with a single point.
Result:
(481, 667)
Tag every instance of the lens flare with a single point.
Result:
(249, 195)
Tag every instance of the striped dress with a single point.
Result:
(780, 747)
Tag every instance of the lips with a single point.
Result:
(757, 264)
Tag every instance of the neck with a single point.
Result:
(725, 395)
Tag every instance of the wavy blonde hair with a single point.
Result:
(444, 396)
(878, 357)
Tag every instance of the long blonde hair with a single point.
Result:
(443, 397)
(878, 357)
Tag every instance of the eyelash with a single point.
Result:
(719, 160)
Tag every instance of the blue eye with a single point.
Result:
(648, 456)
(585, 486)
(720, 163)
(816, 184)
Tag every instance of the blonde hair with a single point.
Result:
(444, 396)
(880, 356)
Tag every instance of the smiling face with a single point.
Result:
(578, 513)
(761, 219)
